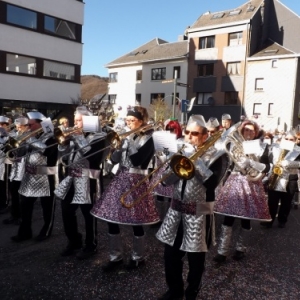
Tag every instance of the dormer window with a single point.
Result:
(218, 16)
(234, 12)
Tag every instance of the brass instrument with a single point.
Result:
(17, 143)
(181, 165)
(237, 152)
(62, 136)
(277, 169)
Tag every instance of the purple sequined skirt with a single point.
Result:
(242, 198)
(109, 207)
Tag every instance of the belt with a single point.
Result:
(83, 172)
(138, 171)
(41, 170)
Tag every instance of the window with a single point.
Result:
(157, 96)
(235, 38)
(271, 109)
(138, 99)
(259, 84)
(20, 64)
(202, 98)
(234, 68)
(139, 74)
(158, 74)
(21, 17)
(60, 27)
(218, 16)
(112, 99)
(113, 77)
(207, 42)
(231, 98)
(274, 63)
(178, 72)
(53, 69)
(257, 107)
(206, 70)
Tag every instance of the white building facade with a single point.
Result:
(138, 79)
(40, 54)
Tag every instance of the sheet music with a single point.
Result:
(252, 147)
(47, 125)
(163, 140)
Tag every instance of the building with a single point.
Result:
(230, 59)
(147, 73)
(40, 55)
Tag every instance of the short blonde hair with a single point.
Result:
(62, 120)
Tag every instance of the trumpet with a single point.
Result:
(181, 165)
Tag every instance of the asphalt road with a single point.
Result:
(35, 270)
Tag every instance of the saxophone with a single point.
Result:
(277, 170)
(236, 153)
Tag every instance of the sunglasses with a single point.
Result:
(193, 133)
(212, 131)
(292, 140)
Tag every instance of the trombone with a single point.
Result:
(114, 142)
(182, 166)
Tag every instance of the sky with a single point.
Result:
(113, 28)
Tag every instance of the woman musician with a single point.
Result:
(133, 156)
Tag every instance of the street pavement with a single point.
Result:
(35, 270)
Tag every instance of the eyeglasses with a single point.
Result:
(212, 131)
(292, 140)
(193, 133)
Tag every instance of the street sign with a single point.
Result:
(168, 81)
(184, 105)
(183, 84)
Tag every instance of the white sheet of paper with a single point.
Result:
(164, 139)
(90, 124)
(287, 145)
(47, 125)
(251, 147)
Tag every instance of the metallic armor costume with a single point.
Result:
(35, 181)
(79, 172)
(190, 207)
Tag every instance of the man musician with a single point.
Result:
(39, 178)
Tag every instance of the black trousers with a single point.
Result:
(5, 188)
(114, 228)
(174, 266)
(245, 223)
(285, 206)
(69, 215)
(15, 209)
(48, 207)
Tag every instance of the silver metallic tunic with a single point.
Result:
(35, 181)
(79, 172)
(190, 207)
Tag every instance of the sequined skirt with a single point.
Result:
(166, 191)
(109, 207)
(242, 199)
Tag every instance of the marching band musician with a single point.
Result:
(188, 225)
(133, 156)
(82, 184)
(39, 178)
(241, 196)
(16, 175)
(287, 183)
(162, 191)
(4, 166)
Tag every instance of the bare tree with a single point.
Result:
(159, 110)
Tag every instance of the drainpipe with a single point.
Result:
(294, 94)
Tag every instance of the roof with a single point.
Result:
(271, 48)
(156, 49)
(242, 13)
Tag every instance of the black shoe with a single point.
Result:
(134, 264)
(111, 265)
(219, 258)
(11, 220)
(168, 296)
(281, 225)
(86, 252)
(20, 238)
(41, 238)
(4, 210)
(238, 255)
(295, 206)
(266, 224)
(70, 249)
